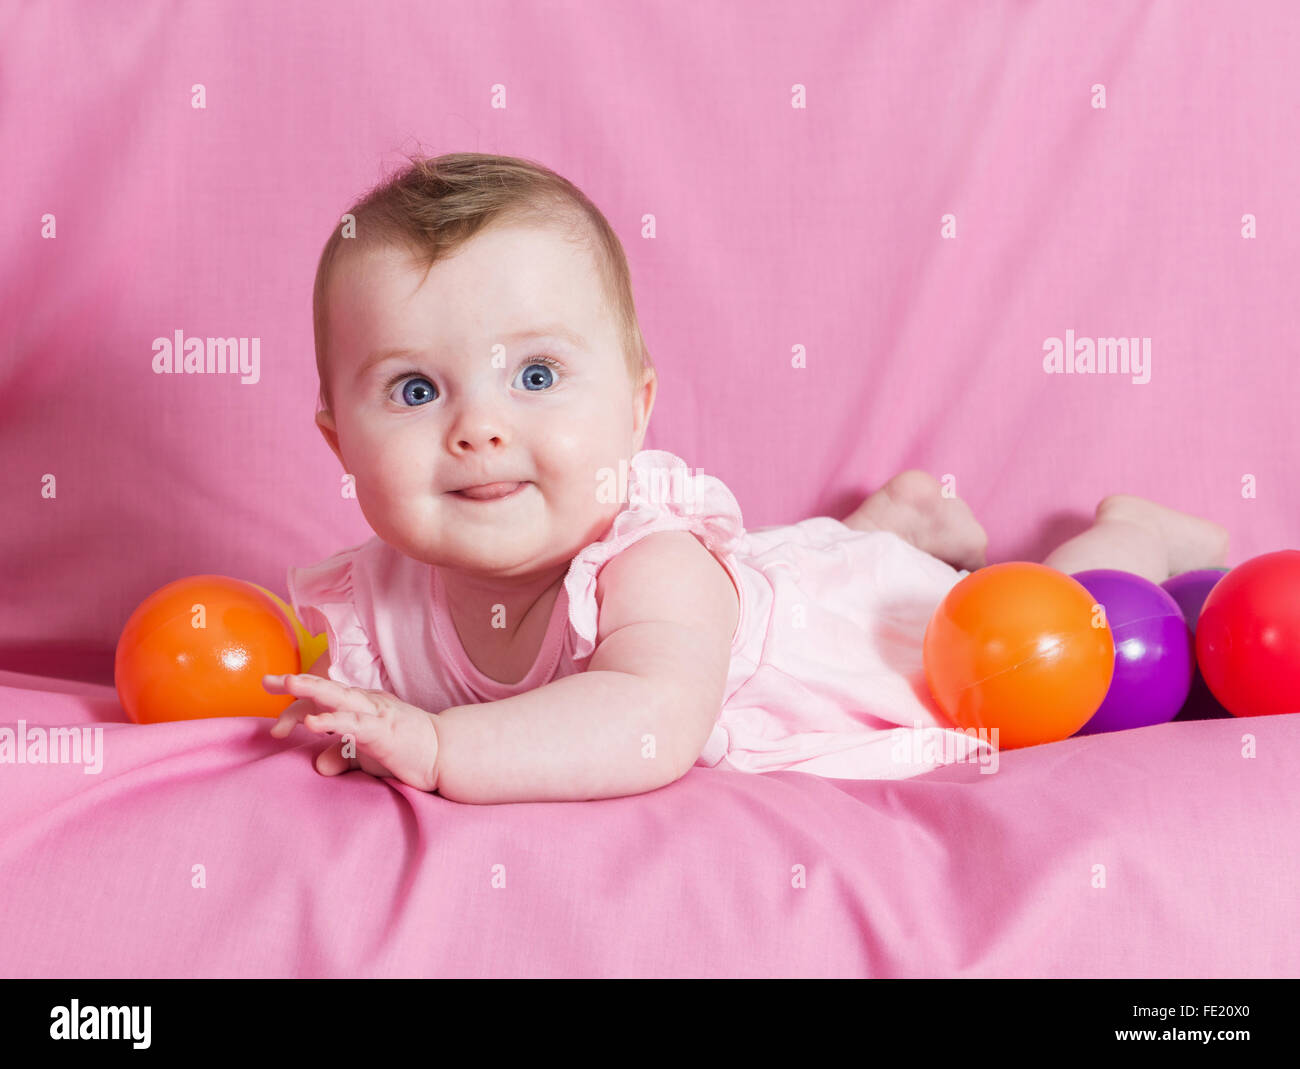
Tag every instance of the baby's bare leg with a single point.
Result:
(1132, 534)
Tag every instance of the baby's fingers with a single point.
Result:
(324, 692)
(294, 713)
(334, 759)
(331, 762)
(330, 721)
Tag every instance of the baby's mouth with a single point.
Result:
(489, 492)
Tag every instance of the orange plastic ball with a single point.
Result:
(199, 647)
(1022, 648)
(310, 647)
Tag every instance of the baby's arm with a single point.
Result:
(667, 613)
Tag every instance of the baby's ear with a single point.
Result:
(325, 421)
(644, 401)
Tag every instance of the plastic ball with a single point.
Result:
(1154, 656)
(1017, 647)
(198, 647)
(310, 647)
(1190, 589)
(1248, 636)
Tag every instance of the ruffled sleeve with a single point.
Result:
(663, 494)
(325, 597)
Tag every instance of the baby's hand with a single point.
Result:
(391, 738)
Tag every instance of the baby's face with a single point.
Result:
(512, 371)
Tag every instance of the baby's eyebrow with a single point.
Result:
(554, 331)
(383, 356)
(557, 330)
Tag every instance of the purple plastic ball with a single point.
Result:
(1154, 652)
(1190, 590)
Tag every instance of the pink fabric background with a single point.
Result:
(954, 873)
(776, 227)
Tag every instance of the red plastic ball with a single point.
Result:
(198, 647)
(1248, 636)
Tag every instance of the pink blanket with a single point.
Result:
(855, 234)
(208, 849)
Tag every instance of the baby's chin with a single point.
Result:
(480, 556)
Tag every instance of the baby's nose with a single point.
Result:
(478, 428)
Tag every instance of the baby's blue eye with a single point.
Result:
(538, 375)
(417, 390)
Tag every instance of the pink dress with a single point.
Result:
(826, 672)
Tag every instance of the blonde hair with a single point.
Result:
(436, 205)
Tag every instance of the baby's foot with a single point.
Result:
(1189, 541)
(912, 505)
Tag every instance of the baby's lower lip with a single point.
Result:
(490, 492)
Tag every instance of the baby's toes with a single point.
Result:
(916, 489)
(974, 553)
(960, 539)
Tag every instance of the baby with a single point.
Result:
(548, 612)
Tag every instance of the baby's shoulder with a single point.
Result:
(650, 555)
(669, 576)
